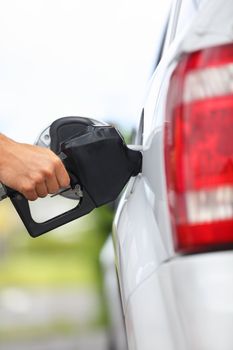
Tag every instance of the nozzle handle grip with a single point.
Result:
(36, 229)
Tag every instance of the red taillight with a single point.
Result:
(199, 150)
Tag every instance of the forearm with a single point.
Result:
(6, 145)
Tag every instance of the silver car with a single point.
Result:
(173, 229)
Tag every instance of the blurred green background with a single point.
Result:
(52, 285)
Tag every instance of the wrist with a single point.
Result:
(5, 144)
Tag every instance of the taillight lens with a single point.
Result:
(198, 147)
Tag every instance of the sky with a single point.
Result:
(75, 57)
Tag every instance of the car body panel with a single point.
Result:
(199, 290)
(144, 330)
(139, 239)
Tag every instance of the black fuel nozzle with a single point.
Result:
(98, 162)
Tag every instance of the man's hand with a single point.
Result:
(31, 170)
